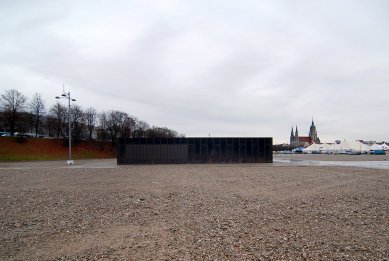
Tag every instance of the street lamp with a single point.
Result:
(67, 96)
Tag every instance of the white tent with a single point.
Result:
(376, 146)
(319, 148)
(351, 146)
(312, 148)
(343, 147)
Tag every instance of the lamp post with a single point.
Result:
(67, 96)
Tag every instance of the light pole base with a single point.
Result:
(70, 162)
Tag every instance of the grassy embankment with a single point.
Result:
(16, 149)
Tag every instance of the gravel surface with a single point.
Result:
(194, 212)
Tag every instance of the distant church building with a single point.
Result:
(304, 141)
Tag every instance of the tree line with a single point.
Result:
(18, 114)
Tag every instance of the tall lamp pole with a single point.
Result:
(67, 96)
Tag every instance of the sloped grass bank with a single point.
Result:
(17, 149)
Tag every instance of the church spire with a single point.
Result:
(292, 138)
(313, 133)
(297, 132)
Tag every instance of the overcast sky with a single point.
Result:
(224, 68)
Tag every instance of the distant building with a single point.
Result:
(304, 141)
(313, 133)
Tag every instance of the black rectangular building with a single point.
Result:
(194, 150)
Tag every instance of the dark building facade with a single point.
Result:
(194, 150)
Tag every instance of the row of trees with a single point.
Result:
(19, 114)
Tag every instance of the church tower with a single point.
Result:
(313, 133)
(304, 141)
(291, 137)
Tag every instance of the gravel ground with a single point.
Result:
(197, 212)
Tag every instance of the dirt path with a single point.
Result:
(194, 212)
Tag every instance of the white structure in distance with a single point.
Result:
(344, 147)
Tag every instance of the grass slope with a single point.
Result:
(14, 149)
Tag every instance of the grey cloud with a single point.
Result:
(226, 68)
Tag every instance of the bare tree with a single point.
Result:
(128, 125)
(90, 120)
(59, 113)
(112, 124)
(50, 125)
(103, 120)
(141, 128)
(12, 102)
(161, 132)
(115, 121)
(77, 121)
(37, 109)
